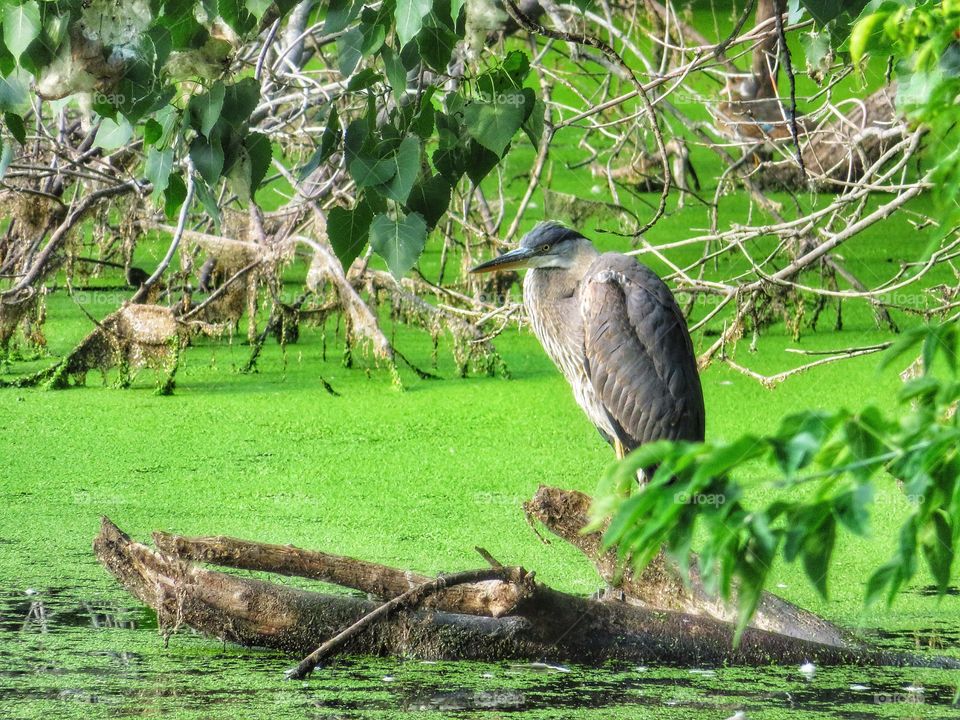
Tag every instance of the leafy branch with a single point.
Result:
(841, 460)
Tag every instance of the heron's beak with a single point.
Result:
(514, 259)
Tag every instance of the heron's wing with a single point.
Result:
(639, 357)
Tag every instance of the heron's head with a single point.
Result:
(549, 245)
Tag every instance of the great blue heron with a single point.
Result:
(615, 331)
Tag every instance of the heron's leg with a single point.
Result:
(619, 449)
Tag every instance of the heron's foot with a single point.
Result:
(609, 593)
(619, 449)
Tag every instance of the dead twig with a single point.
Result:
(408, 601)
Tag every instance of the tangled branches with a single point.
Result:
(358, 145)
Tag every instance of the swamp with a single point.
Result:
(237, 303)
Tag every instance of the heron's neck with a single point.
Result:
(557, 283)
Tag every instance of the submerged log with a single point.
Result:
(566, 513)
(546, 625)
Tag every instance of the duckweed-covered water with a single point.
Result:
(415, 479)
(62, 657)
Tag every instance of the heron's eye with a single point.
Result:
(543, 248)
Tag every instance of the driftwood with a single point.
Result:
(493, 598)
(131, 338)
(566, 513)
(544, 625)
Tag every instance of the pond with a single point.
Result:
(415, 479)
(64, 657)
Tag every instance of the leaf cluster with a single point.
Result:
(414, 143)
(922, 39)
(826, 471)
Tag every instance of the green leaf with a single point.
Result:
(368, 77)
(940, 340)
(396, 72)
(112, 134)
(332, 134)
(367, 171)
(908, 340)
(340, 13)
(152, 132)
(16, 127)
(430, 197)
(261, 154)
(409, 15)
(494, 123)
(799, 438)
(236, 15)
(533, 125)
(923, 389)
(21, 26)
(863, 34)
(158, 168)
(399, 242)
(479, 161)
(56, 27)
(727, 456)
(516, 65)
(823, 11)
(851, 508)
(329, 141)
(817, 551)
(406, 162)
(374, 33)
(939, 551)
(6, 157)
(863, 434)
(349, 51)
(205, 108)
(347, 231)
(209, 201)
(435, 43)
(240, 100)
(423, 121)
(879, 582)
(207, 156)
(15, 92)
(817, 50)
(174, 196)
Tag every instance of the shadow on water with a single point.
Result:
(64, 657)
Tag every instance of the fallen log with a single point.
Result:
(494, 598)
(546, 625)
(837, 151)
(565, 513)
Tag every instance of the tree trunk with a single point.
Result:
(766, 56)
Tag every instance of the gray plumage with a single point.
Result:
(614, 330)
